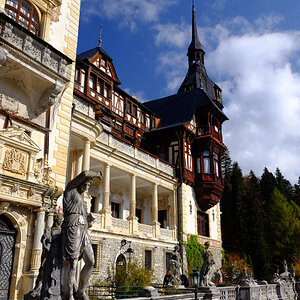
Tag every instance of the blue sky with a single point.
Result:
(252, 52)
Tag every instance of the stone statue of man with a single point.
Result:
(76, 241)
(206, 267)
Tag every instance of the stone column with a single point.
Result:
(37, 244)
(132, 196)
(132, 217)
(79, 163)
(155, 222)
(86, 155)
(49, 221)
(106, 211)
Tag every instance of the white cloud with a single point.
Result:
(127, 12)
(257, 68)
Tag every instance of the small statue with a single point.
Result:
(50, 241)
(276, 277)
(206, 267)
(247, 279)
(76, 241)
(176, 265)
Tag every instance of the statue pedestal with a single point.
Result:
(210, 293)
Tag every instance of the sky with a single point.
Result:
(252, 52)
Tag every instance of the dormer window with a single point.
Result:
(24, 13)
(103, 62)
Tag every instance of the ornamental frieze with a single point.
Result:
(15, 162)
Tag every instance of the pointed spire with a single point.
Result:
(100, 39)
(195, 43)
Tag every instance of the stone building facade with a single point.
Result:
(38, 41)
(61, 114)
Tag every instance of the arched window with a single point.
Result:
(24, 13)
(206, 162)
(216, 163)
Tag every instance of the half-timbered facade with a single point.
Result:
(136, 202)
(189, 137)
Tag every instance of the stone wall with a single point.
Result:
(110, 249)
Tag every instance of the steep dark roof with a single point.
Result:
(195, 43)
(178, 109)
(90, 53)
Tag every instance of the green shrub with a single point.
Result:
(194, 253)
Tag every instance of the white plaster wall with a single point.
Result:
(191, 218)
(57, 29)
(213, 222)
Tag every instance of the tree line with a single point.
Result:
(260, 218)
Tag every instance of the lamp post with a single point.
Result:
(196, 280)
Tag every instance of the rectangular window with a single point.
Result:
(143, 118)
(99, 88)
(206, 162)
(168, 258)
(198, 165)
(92, 82)
(134, 110)
(202, 223)
(103, 62)
(115, 210)
(188, 156)
(148, 259)
(173, 153)
(162, 218)
(77, 73)
(82, 83)
(216, 163)
(106, 91)
(138, 214)
(129, 107)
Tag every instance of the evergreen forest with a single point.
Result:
(260, 219)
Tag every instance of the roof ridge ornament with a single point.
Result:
(100, 38)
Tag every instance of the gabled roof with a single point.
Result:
(90, 53)
(178, 109)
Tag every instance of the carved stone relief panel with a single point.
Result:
(15, 161)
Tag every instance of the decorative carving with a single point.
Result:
(15, 188)
(8, 103)
(62, 67)
(4, 206)
(30, 192)
(205, 273)
(81, 106)
(14, 161)
(3, 55)
(55, 14)
(48, 98)
(38, 170)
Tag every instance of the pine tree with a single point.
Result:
(252, 233)
(283, 185)
(284, 228)
(296, 195)
(267, 185)
(231, 205)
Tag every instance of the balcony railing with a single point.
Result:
(125, 226)
(19, 38)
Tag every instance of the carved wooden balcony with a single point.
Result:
(208, 189)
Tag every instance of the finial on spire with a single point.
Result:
(193, 5)
(100, 39)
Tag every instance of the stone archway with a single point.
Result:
(7, 245)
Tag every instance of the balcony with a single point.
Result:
(127, 227)
(208, 189)
(36, 70)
